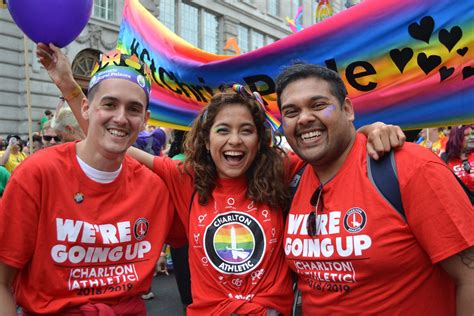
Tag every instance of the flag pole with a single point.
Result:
(28, 92)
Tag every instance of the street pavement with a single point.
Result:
(166, 301)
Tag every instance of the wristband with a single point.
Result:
(163, 254)
(77, 91)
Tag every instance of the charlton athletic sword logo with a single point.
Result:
(234, 242)
(355, 220)
(140, 228)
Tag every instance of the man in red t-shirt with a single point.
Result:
(352, 252)
(79, 227)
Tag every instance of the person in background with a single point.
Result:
(49, 135)
(4, 177)
(151, 141)
(48, 115)
(2, 143)
(352, 251)
(66, 126)
(13, 155)
(37, 143)
(459, 154)
(179, 255)
(434, 139)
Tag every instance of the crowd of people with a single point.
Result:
(55, 128)
(226, 200)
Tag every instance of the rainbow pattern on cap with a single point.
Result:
(115, 65)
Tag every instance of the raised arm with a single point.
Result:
(60, 72)
(6, 153)
(381, 138)
(7, 303)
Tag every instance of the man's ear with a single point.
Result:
(348, 109)
(85, 109)
(147, 117)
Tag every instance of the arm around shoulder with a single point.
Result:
(381, 138)
(142, 157)
(7, 303)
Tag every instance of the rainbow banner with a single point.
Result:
(404, 62)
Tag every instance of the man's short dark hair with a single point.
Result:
(301, 70)
(48, 112)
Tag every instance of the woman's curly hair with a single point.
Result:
(266, 175)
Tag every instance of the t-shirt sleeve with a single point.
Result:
(177, 235)
(19, 217)
(438, 211)
(179, 184)
(293, 164)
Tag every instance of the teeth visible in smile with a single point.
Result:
(310, 135)
(117, 133)
(233, 153)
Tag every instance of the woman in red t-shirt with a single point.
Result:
(459, 153)
(229, 193)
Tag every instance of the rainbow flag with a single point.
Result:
(404, 62)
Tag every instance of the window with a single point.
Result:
(243, 39)
(274, 7)
(209, 36)
(257, 40)
(105, 9)
(189, 24)
(82, 66)
(168, 13)
(271, 40)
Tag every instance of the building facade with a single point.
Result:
(206, 24)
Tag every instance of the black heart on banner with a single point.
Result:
(467, 72)
(462, 51)
(401, 57)
(445, 72)
(426, 63)
(423, 30)
(450, 38)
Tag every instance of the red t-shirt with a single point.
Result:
(76, 241)
(235, 256)
(457, 166)
(366, 259)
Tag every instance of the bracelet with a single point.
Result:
(77, 91)
(162, 254)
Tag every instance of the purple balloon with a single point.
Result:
(51, 21)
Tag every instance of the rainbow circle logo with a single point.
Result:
(234, 243)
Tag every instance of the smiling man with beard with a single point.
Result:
(79, 233)
(352, 251)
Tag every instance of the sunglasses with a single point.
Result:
(466, 166)
(48, 138)
(312, 223)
